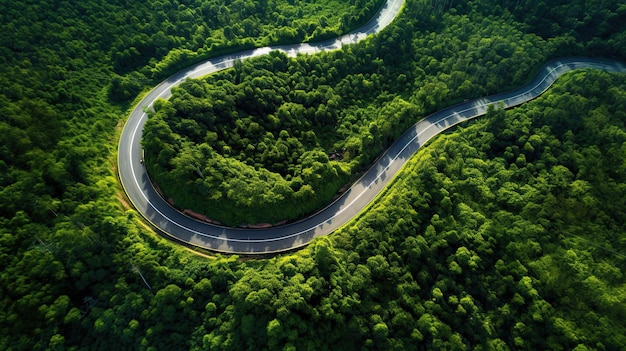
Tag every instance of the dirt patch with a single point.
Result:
(119, 125)
(124, 201)
(198, 253)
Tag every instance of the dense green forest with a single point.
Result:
(275, 138)
(507, 233)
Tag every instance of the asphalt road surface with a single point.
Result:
(182, 228)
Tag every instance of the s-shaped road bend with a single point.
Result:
(173, 223)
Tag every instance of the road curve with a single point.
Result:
(262, 241)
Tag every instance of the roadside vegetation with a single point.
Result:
(275, 138)
(505, 233)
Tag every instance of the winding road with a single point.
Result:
(182, 228)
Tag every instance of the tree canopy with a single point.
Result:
(507, 233)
